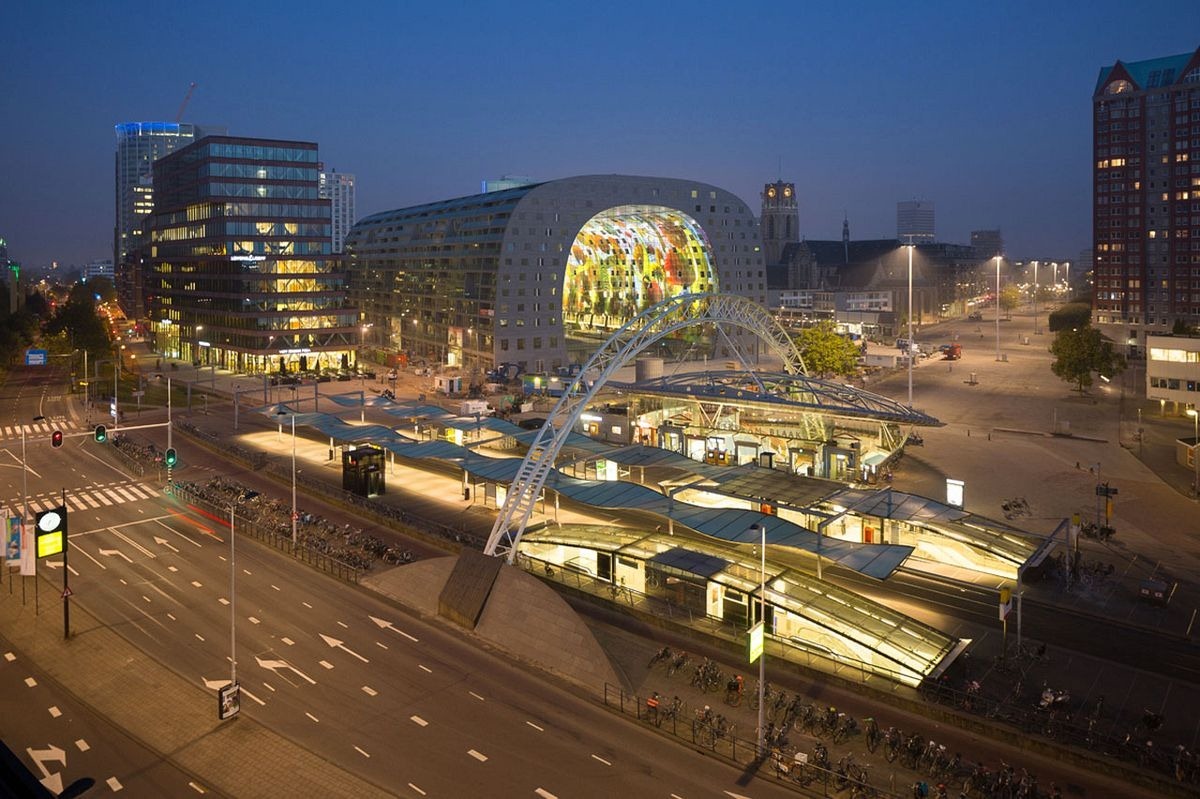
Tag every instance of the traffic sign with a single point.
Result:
(36, 357)
(51, 531)
(757, 635)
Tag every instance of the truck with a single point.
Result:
(951, 352)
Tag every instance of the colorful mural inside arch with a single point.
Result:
(628, 258)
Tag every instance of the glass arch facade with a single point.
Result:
(628, 258)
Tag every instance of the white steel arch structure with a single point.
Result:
(635, 336)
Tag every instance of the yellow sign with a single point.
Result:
(757, 635)
(1005, 595)
(49, 544)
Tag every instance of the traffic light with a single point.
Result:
(171, 458)
(56, 438)
(101, 434)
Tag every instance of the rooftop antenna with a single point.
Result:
(183, 105)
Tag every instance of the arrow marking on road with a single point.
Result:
(214, 685)
(162, 542)
(108, 553)
(387, 625)
(41, 757)
(336, 644)
(736, 795)
(275, 665)
(54, 564)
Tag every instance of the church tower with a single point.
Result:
(780, 220)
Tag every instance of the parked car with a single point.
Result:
(975, 316)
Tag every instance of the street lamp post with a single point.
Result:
(997, 307)
(294, 517)
(762, 619)
(1192, 412)
(1035, 297)
(910, 326)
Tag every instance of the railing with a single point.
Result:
(684, 723)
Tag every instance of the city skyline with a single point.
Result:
(861, 108)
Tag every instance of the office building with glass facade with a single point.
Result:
(241, 273)
(540, 275)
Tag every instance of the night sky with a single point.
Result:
(983, 108)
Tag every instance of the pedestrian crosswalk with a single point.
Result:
(88, 498)
(41, 428)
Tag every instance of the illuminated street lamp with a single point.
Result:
(762, 620)
(998, 307)
(910, 315)
(294, 517)
(1192, 412)
(1035, 297)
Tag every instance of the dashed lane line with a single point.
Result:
(420, 722)
(361, 751)
(602, 760)
(536, 727)
(482, 758)
(415, 788)
(425, 668)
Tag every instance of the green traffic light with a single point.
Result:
(171, 457)
(101, 433)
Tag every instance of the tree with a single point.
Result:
(1072, 316)
(825, 352)
(1079, 352)
(1010, 298)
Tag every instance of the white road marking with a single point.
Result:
(415, 788)
(172, 618)
(424, 668)
(275, 586)
(536, 727)
(196, 584)
(288, 641)
(314, 718)
(362, 751)
(305, 604)
(269, 687)
(274, 665)
(247, 572)
(602, 760)
(114, 784)
(55, 712)
(172, 568)
(145, 597)
(326, 664)
(381, 645)
(736, 795)
(198, 635)
(336, 644)
(10, 657)
(343, 625)
(542, 792)
(223, 600)
(369, 691)
(82, 745)
(196, 788)
(252, 696)
(385, 624)
(253, 620)
(418, 721)
(482, 758)
(30, 682)
(477, 696)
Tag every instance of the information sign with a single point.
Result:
(757, 635)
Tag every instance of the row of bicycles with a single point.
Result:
(351, 545)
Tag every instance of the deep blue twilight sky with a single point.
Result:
(983, 108)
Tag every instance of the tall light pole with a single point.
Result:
(1035, 298)
(1192, 412)
(762, 619)
(910, 315)
(292, 414)
(232, 605)
(997, 307)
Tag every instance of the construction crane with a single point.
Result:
(183, 105)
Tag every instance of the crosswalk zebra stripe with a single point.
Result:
(128, 497)
(92, 503)
(76, 503)
(103, 498)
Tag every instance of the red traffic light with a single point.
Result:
(56, 438)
